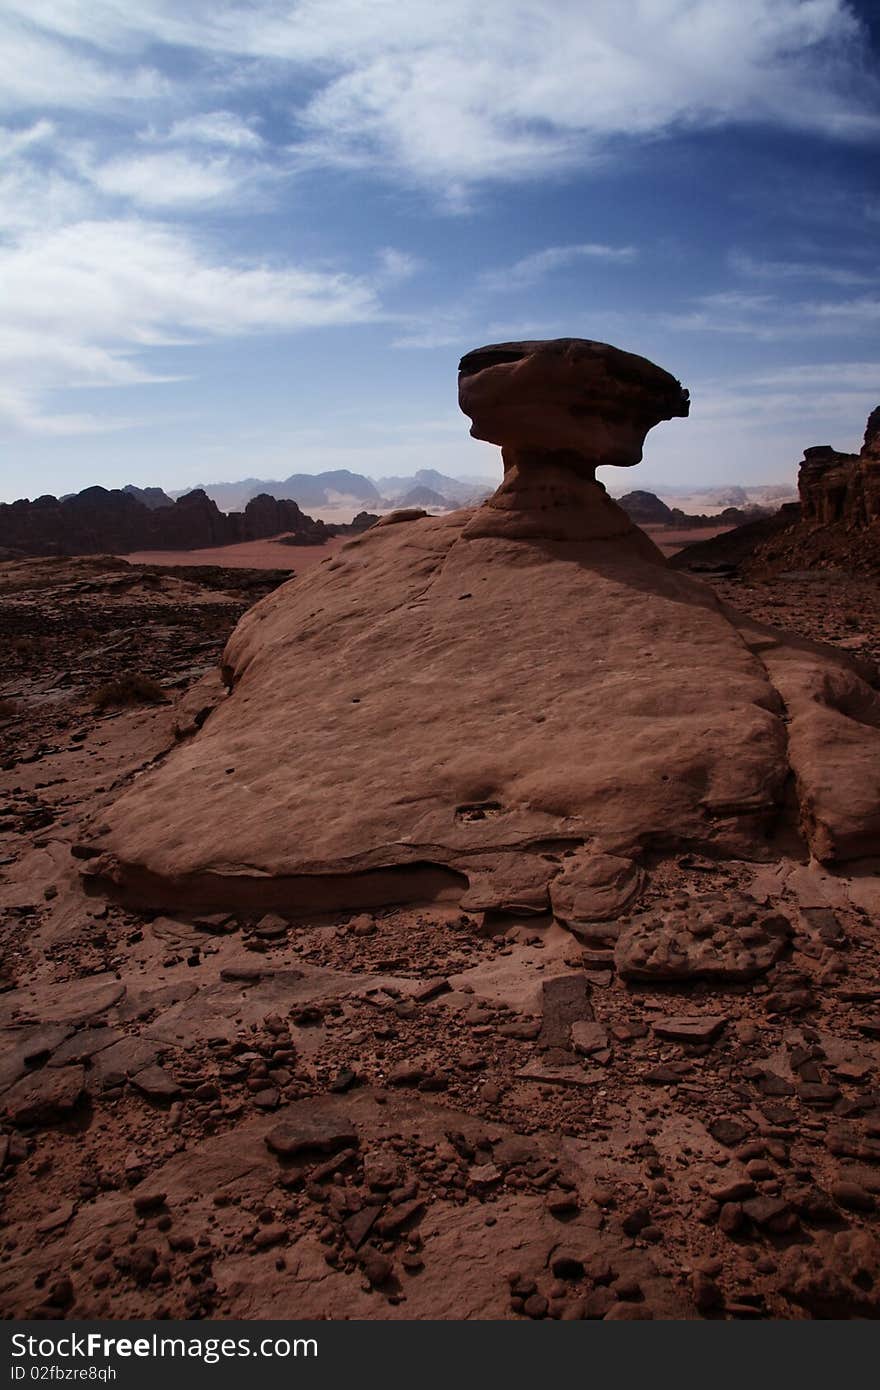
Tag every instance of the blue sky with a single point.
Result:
(250, 239)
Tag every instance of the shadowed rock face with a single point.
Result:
(837, 487)
(517, 705)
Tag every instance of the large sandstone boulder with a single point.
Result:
(519, 702)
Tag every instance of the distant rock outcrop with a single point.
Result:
(845, 488)
(837, 524)
(306, 489)
(423, 497)
(98, 521)
(645, 508)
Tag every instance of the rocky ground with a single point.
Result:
(413, 1112)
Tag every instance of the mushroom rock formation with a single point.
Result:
(560, 410)
(519, 705)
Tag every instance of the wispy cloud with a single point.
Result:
(535, 267)
(85, 302)
(396, 265)
(766, 317)
(223, 128)
(829, 273)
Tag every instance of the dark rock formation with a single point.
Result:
(97, 520)
(645, 509)
(733, 548)
(151, 497)
(837, 487)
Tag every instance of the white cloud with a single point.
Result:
(81, 300)
(471, 89)
(396, 265)
(533, 268)
(170, 179)
(216, 128)
(831, 274)
(38, 70)
(15, 141)
(428, 340)
(767, 318)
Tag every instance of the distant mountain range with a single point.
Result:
(426, 487)
(118, 521)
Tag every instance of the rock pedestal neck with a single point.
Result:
(520, 707)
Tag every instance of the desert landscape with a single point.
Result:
(351, 972)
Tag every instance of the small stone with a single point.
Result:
(734, 1190)
(728, 1131)
(60, 1293)
(707, 1294)
(305, 1128)
(852, 1196)
(156, 1084)
(377, 1268)
(561, 1203)
(636, 1221)
(695, 1028)
(268, 1098)
(430, 989)
(730, 1218)
(484, 1175)
(407, 1074)
(535, 1306)
(145, 1202)
(267, 1236)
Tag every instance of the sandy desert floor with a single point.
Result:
(271, 554)
(261, 555)
(385, 1115)
(672, 539)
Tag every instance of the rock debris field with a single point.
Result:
(588, 1037)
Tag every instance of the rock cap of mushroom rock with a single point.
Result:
(586, 400)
